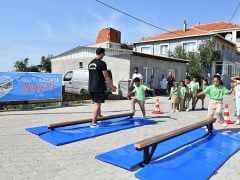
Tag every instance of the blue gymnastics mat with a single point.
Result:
(73, 133)
(199, 161)
(128, 157)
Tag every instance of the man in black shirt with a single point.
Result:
(98, 76)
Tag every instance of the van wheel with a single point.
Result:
(83, 91)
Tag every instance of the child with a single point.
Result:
(203, 87)
(182, 95)
(216, 93)
(236, 81)
(139, 92)
(187, 95)
(194, 86)
(175, 93)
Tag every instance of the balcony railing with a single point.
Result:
(228, 56)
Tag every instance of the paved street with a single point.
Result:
(25, 156)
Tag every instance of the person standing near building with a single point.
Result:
(187, 97)
(98, 76)
(194, 86)
(163, 85)
(136, 74)
(236, 85)
(170, 81)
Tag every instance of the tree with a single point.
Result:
(200, 61)
(178, 53)
(46, 63)
(21, 65)
(207, 54)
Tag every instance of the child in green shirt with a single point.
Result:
(175, 94)
(182, 95)
(216, 93)
(139, 92)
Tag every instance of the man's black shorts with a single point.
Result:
(98, 97)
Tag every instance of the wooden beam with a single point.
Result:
(162, 137)
(67, 123)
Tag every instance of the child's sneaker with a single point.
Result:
(187, 110)
(173, 111)
(177, 110)
(237, 122)
(94, 125)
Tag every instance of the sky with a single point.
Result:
(32, 29)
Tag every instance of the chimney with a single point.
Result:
(184, 26)
(109, 35)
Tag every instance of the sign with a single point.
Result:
(25, 86)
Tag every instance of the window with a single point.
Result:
(164, 49)
(147, 75)
(68, 76)
(80, 64)
(219, 67)
(189, 47)
(217, 46)
(146, 50)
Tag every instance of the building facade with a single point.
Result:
(226, 37)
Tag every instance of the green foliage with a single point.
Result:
(46, 63)
(199, 61)
(22, 66)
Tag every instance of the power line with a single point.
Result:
(234, 13)
(133, 17)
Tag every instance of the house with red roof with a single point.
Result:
(226, 37)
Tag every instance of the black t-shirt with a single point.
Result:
(96, 79)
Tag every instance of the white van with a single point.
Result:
(76, 81)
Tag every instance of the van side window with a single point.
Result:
(80, 64)
(68, 76)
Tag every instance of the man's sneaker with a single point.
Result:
(187, 110)
(237, 122)
(94, 125)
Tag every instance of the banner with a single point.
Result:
(26, 86)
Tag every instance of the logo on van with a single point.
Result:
(92, 66)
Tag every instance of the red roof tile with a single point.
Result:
(201, 29)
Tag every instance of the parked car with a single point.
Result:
(76, 81)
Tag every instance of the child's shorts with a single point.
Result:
(174, 99)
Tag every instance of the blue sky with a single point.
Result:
(30, 28)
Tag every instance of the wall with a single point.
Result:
(118, 64)
(172, 44)
(159, 68)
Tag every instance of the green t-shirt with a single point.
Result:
(216, 93)
(175, 92)
(204, 87)
(182, 92)
(140, 92)
(194, 87)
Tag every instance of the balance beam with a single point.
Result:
(154, 141)
(67, 123)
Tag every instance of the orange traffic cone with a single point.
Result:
(157, 108)
(226, 115)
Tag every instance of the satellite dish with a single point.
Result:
(228, 36)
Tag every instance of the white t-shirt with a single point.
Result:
(237, 89)
(163, 83)
(137, 75)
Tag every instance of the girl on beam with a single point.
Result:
(216, 92)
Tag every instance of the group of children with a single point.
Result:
(181, 94)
